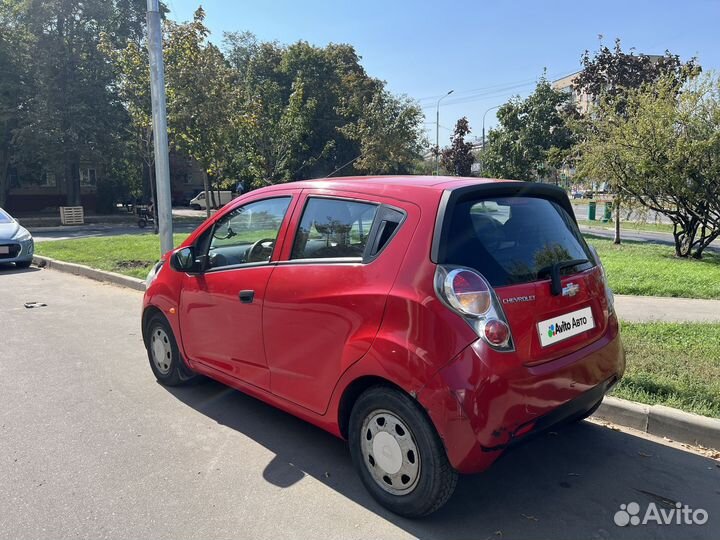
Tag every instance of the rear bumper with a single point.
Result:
(481, 404)
(575, 408)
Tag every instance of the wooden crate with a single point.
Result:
(72, 215)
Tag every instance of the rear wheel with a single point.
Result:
(398, 453)
(164, 355)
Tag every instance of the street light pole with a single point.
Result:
(482, 160)
(159, 121)
(437, 133)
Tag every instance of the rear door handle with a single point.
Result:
(246, 297)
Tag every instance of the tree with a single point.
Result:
(341, 119)
(389, 135)
(457, 159)
(534, 137)
(14, 60)
(610, 74)
(263, 112)
(204, 109)
(663, 150)
(71, 112)
(132, 84)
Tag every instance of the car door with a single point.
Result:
(221, 307)
(324, 304)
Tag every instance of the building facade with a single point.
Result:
(44, 191)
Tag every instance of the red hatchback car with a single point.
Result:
(432, 322)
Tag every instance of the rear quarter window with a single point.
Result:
(510, 239)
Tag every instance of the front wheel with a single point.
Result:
(398, 453)
(164, 355)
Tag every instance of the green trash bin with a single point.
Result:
(607, 213)
(592, 205)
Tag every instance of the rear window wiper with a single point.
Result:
(553, 270)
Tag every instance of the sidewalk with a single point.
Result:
(655, 308)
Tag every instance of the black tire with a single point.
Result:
(173, 371)
(435, 480)
(23, 264)
(195, 207)
(142, 223)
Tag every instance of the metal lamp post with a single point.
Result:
(437, 133)
(159, 122)
(482, 161)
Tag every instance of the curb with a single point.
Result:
(92, 273)
(661, 421)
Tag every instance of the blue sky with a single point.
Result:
(484, 51)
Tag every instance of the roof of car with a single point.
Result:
(373, 183)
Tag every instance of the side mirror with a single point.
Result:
(183, 260)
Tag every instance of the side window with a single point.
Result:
(247, 234)
(332, 228)
(387, 223)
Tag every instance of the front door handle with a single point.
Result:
(246, 297)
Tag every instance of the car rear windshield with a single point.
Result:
(514, 239)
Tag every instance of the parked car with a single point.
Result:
(183, 198)
(16, 243)
(432, 322)
(217, 199)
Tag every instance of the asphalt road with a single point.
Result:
(92, 447)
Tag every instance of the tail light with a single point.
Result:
(608, 291)
(469, 294)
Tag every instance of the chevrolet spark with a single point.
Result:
(432, 322)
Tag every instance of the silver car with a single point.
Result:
(16, 243)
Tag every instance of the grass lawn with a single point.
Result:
(645, 269)
(633, 268)
(131, 254)
(671, 364)
(629, 226)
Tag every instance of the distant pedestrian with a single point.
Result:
(240, 188)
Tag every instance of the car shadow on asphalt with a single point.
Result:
(9, 268)
(567, 483)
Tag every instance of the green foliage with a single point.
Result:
(203, 112)
(388, 133)
(315, 111)
(457, 159)
(663, 150)
(14, 94)
(610, 73)
(70, 112)
(534, 137)
(75, 89)
(268, 113)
